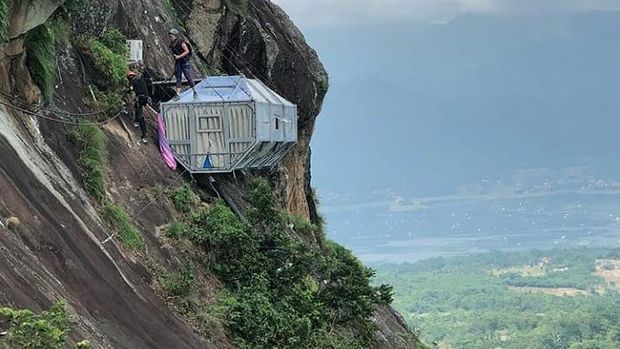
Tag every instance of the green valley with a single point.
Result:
(535, 299)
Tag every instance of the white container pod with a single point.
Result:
(231, 123)
(134, 48)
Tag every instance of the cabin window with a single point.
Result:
(208, 123)
(277, 119)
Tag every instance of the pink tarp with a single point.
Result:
(164, 146)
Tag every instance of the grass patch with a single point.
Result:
(92, 157)
(40, 59)
(120, 220)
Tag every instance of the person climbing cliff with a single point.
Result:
(138, 86)
(181, 50)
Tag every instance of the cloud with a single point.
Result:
(316, 12)
(398, 204)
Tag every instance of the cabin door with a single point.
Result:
(210, 144)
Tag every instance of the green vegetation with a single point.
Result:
(119, 219)
(47, 330)
(5, 7)
(60, 29)
(115, 41)
(184, 199)
(303, 227)
(109, 63)
(40, 59)
(41, 44)
(177, 230)
(532, 299)
(281, 291)
(108, 55)
(92, 157)
(73, 6)
(179, 284)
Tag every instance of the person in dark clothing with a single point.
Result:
(138, 86)
(181, 52)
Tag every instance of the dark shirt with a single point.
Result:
(139, 86)
(177, 49)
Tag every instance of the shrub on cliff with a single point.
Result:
(184, 199)
(281, 290)
(108, 55)
(28, 330)
(181, 283)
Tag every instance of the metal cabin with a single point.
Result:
(232, 123)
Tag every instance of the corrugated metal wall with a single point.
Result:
(178, 131)
(242, 130)
(276, 122)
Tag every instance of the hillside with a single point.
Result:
(145, 257)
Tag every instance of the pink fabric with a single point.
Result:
(164, 146)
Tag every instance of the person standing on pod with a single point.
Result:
(182, 51)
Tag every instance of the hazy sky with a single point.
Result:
(439, 105)
(319, 12)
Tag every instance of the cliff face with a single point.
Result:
(260, 41)
(57, 252)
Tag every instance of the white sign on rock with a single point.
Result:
(134, 47)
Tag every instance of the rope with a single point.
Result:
(59, 111)
(66, 122)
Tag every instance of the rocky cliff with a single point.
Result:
(63, 247)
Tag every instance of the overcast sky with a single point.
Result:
(440, 109)
(318, 12)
